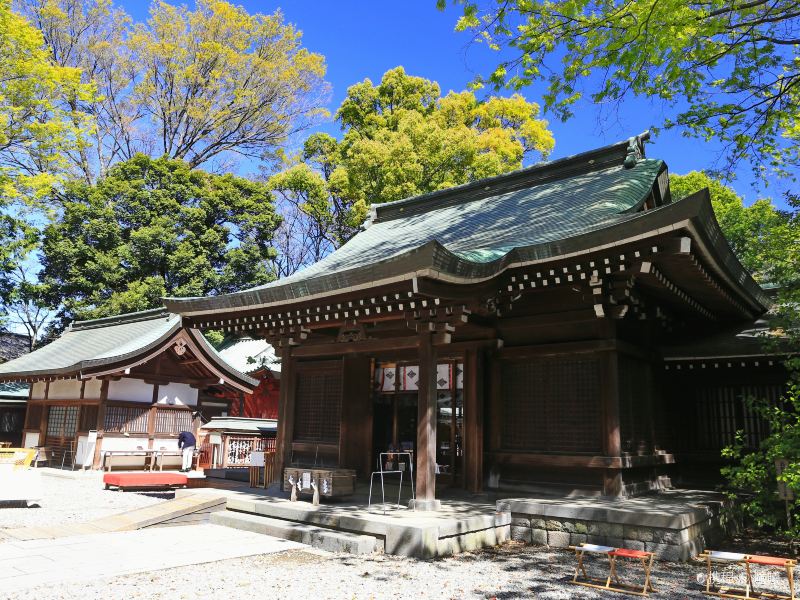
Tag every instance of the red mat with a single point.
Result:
(144, 479)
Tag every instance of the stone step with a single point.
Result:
(317, 537)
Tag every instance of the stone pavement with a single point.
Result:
(25, 564)
(135, 519)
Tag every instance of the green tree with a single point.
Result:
(763, 237)
(730, 71)
(753, 472)
(400, 138)
(36, 124)
(207, 85)
(39, 124)
(155, 228)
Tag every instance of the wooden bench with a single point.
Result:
(746, 562)
(612, 582)
(144, 481)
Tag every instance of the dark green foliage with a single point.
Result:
(155, 228)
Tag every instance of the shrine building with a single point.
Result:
(512, 333)
(124, 383)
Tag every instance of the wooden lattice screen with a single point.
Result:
(318, 403)
(551, 405)
(173, 420)
(126, 418)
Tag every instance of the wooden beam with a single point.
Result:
(612, 440)
(365, 346)
(473, 420)
(285, 412)
(426, 422)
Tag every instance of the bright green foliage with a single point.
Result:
(36, 122)
(753, 472)
(403, 138)
(763, 237)
(730, 69)
(209, 84)
(155, 228)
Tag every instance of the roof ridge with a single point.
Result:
(615, 154)
(134, 317)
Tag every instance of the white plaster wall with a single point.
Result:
(64, 389)
(177, 394)
(165, 443)
(123, 443)
(92, 389)
(31, 439)
(38, 390)
(130, 390)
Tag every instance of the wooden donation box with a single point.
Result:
(330, 482)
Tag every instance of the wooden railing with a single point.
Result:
(237, 449)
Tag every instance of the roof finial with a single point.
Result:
(635, 149)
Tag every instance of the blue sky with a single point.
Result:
(366, 38)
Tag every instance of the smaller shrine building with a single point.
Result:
(128, 382)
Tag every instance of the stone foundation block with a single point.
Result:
(575, 539)
(521, 534)
(539, 537)
(558, 539)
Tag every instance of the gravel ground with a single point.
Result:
(74, 501)
(512, 571)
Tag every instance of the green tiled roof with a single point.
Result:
(13, 392)
(94, 343)
(469, 229)
(91, 345)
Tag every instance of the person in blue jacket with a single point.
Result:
(187, 442)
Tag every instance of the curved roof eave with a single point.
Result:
(434, 260)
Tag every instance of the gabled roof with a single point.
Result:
(89, 348)
(478, 223)
(12, 393)
(249, 355)
(90, 344)
(12, 345)
(471, 233)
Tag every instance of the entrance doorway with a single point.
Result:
(62, 425)
(395, 395)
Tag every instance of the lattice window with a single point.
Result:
(318, 401)
(126, 419)
(88, 418)
(552, 405)
(34, 416)
(62, 421)
(173, 420)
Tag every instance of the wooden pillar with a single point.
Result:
(283, 445)
(426, 425)
(612, 440)
(151, 418)
(473, 420)
(101, 420)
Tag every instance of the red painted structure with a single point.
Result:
(263, 402)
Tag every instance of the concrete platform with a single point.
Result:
(459, 525)
(675, 524)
